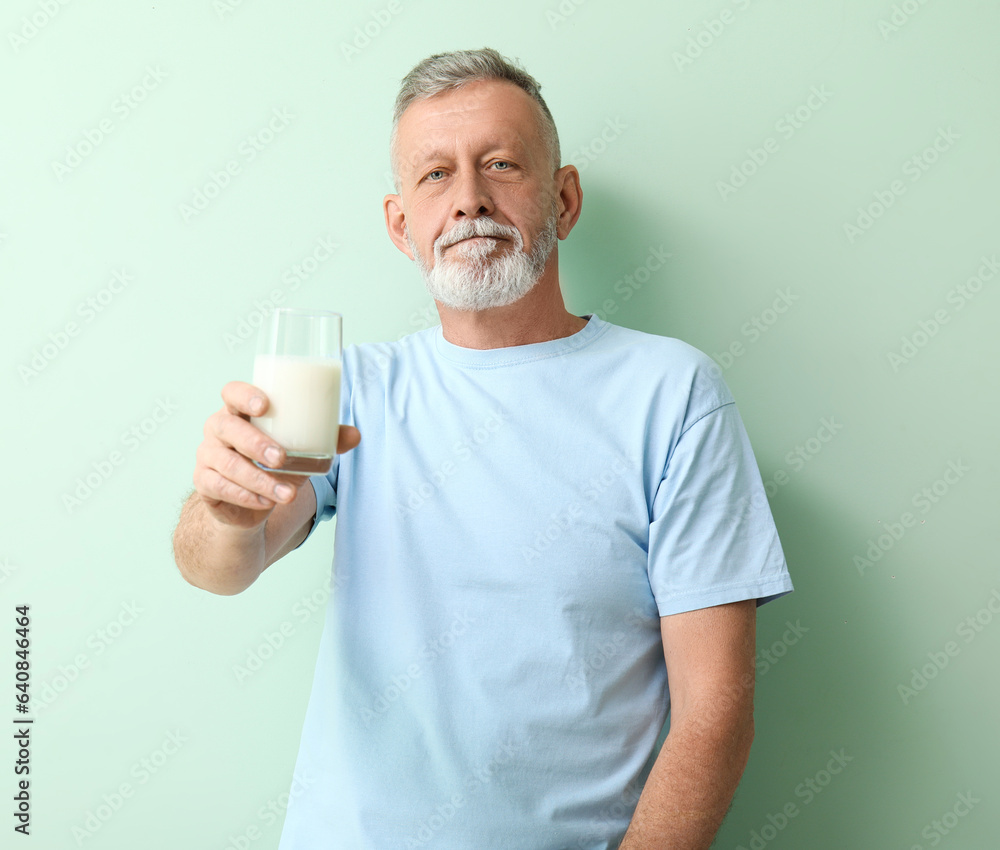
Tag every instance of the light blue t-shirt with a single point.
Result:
(509, 532)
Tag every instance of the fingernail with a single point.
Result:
(272, 456)
(283, 491)
(256, 404)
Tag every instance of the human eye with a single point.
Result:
(430, 175)
(506, 165)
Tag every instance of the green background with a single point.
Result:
(677, 117)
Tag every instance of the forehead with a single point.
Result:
(480, 114)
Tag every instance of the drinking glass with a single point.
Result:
(298, 366)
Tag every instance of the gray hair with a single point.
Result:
(448, 71)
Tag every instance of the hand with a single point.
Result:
(233, 489)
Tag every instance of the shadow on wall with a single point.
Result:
(835, 742)
(609, 259)
(836, 737)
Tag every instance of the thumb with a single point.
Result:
(348, 438)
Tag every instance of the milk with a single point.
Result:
(304, 392)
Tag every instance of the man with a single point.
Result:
(547, 517)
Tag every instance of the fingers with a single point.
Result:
(348, 438)
(215, 489)
(244, 437)
(222, 474)
(224, 468)
(243, 399)
(225, 473)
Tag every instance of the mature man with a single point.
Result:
(547, 517)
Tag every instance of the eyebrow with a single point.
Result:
(424, 158)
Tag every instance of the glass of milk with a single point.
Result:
(298, 366)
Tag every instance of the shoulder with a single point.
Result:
(668, 348)
(675, 366)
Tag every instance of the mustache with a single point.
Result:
(476, 227)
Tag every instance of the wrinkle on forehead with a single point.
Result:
(486, 143)
(500, 107)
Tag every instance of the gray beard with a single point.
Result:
(471, 279)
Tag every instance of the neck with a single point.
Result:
(539, 316)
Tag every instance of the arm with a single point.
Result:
(240, 519)
(227, 559)
(710, 668)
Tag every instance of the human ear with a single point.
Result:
(395, 223)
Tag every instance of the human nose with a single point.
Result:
(472, 196)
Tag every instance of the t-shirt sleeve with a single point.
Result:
(325, 488)
(712, 539)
